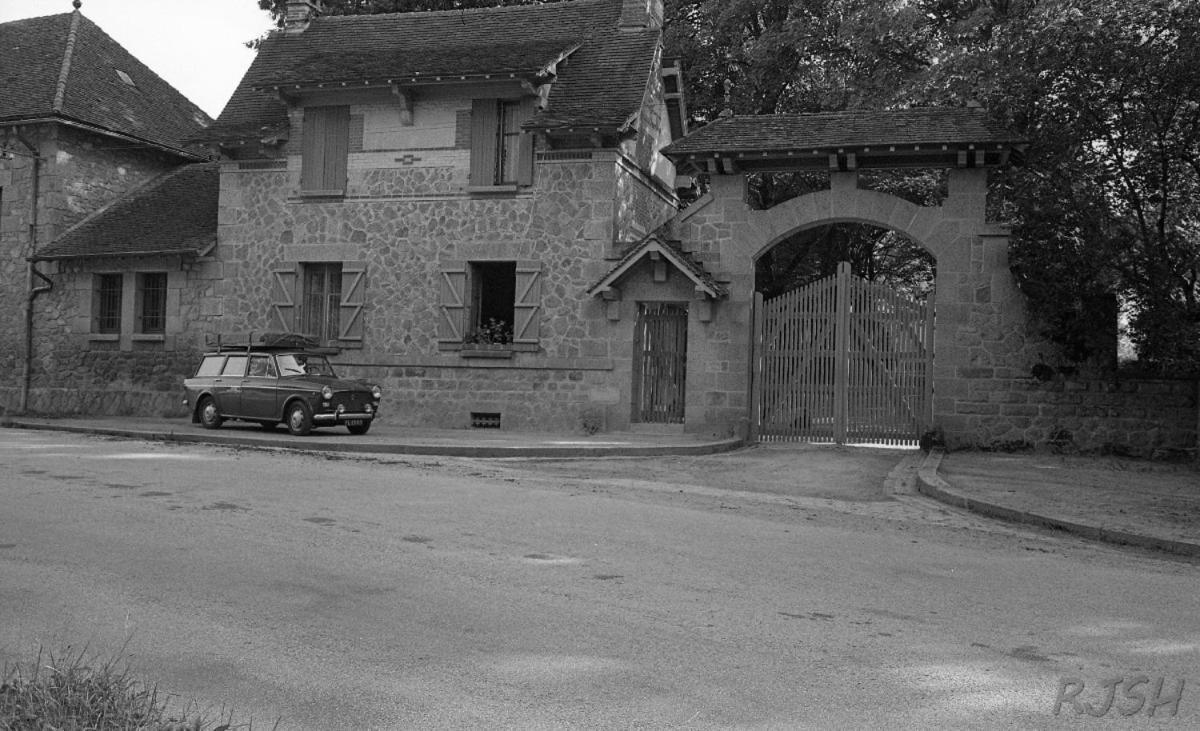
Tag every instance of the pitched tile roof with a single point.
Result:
(782, 132)
(66, 67)
(174, 214)
(673, 252)
(601, 85)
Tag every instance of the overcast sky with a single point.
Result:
(198, 46)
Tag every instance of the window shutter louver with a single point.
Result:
(283, 297)
(526, 150)
(452, 308)
(354, 286)
(527, 306)
(325, 147)
(485, 121)
(337, 149)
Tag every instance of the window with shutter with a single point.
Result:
(321, 300)
(497, 304)
(501, 153)
(325, 147)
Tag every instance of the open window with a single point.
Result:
(492, 303)
(501, 153)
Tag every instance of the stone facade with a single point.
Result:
(406, 219)
(79, 174)
(985, 349)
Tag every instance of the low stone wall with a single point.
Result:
(566, 401)
(1139, 417)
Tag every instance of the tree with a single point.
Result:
(1108, 201)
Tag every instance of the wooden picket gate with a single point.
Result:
(842, 360)
(660, 363)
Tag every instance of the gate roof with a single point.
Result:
(922, 137)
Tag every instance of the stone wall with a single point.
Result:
(79, 174)
(76, 371)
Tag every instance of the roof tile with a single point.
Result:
(34, 54)
(174, 214)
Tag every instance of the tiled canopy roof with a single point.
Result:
(65, 67)
(865, 133)
(601, 85)
(174, 214)
(672, 252)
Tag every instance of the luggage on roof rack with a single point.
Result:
(266, 341)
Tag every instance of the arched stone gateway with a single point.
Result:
(980, 320)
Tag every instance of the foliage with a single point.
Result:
(493, 332)
(1108, 200)
(278, 8)
(73, 690)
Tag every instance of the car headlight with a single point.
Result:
(377, 392)
(327, 393)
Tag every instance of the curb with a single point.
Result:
(438, 450)
(930, 484)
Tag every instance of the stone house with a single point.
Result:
(434, 192)
(82, 124)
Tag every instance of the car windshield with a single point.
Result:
(302, 364)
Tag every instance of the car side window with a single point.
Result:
(211, 365)
(235, 366)
(260, 366)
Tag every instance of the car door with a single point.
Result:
(227, 387)
(260, 388)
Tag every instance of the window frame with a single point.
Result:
(108, 303)
(154, 298)
(320, 309)
(498, 143)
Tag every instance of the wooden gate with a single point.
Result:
(660, 363)
(843, 360)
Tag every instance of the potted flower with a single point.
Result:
(492, 339)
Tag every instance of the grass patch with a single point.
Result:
(73, 690)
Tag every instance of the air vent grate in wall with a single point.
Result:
(484, 420)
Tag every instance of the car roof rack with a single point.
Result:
(225, 342)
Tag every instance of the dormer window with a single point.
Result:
(501, 154)
(325, 147)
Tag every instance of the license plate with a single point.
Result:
(353, 422)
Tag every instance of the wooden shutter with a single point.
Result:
(485, 141)
(525, 151)
(283, 297)
(452, 308)
(527, 305)
(325, 147)
(354, 290)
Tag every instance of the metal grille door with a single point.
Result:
(660, 363)
(843, 360)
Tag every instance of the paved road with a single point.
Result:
(432, 592)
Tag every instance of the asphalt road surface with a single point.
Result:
(769, 588)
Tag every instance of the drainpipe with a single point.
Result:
(31, 267)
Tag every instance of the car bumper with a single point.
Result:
(343, 417)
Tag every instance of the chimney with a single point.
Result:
(299, 13)
(641, 14)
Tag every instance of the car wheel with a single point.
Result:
(360, 429)
(299, 419)
(210, 418)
